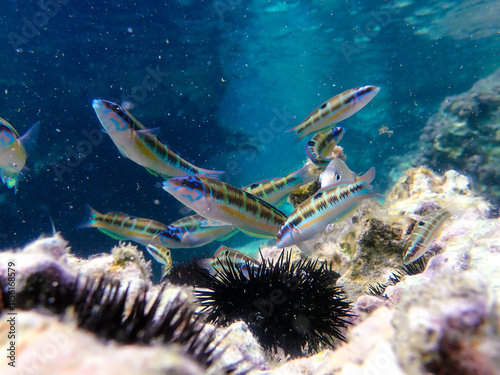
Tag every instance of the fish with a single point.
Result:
(426, 230)
(336, 109)
(163, 256)
(224, 257)
(277, 190)
(221, 202)
(322, 144)
(13, 152)
(329, 205)
(193, 231)
(336, 171)
(140, 145)
(123, 227)
(196, 231)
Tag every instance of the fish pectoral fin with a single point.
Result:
(213, 223)
(307, 249)
(112, 235)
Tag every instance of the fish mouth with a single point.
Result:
(191, 183)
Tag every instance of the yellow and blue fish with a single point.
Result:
(140, 145)
(224, 203)
(224, 257)
(322, 145)
(276, 190)
(123, 227)
(426, 231)
(331, 204)
(13, 153)
(193, 231)
(336, 109)
(163, 256)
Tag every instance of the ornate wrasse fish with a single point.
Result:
(426, 230)
(276, 190)
(13, 153)
(331, 204)
(193, 231)
(163, 256)
(336, 109)
(140, 145)
(322, 144)
(121, 226)
(224, 256)
(221, 202)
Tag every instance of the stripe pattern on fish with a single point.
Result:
(140, 145)
(322, 144)
(329, 205)
(426, 231)
(121, 226)
(336, 109)
(219, 201)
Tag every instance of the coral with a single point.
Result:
(464, 135)
(293, 306)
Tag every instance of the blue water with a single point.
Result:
(222, 80)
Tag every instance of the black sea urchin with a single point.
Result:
(294, 306)
(406, 269)
(98, 305)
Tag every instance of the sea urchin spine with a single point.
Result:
(294, 306)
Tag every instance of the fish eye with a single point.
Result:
(337, 177)
(421, 223)
(184, 182)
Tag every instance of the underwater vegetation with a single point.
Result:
(295, 306)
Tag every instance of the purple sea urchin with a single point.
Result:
(294, 306)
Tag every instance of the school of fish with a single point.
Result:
(221, 209)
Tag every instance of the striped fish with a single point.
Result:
(120, 226)
(221, 202)
(276, 190)
(224, 257)
(331, 204)
(140, 145)
(336, 109)
(13, 153)
(426, 231)
(322, 145)
(163, 256)
(193, 231)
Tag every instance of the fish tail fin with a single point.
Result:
(298, 130)
(89, 218)
(29, 139)
(368, 177)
